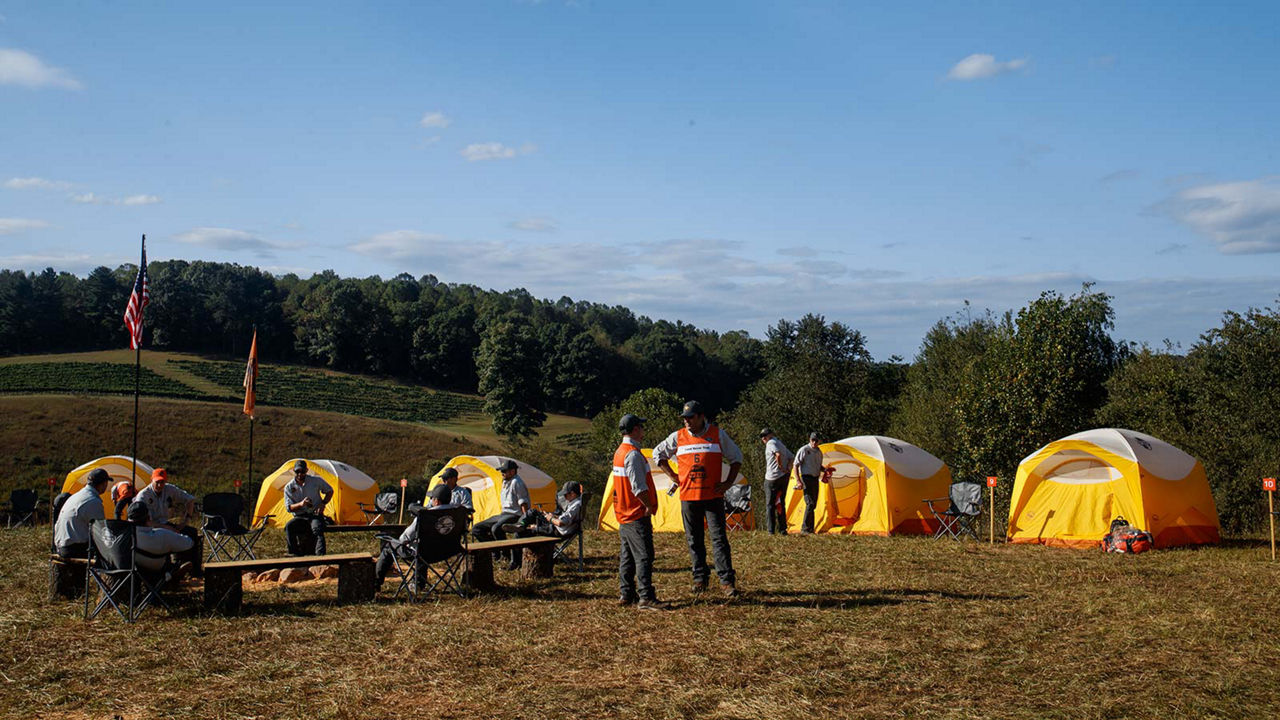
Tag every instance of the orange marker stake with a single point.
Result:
(404, 483)
(1269, 485)
(991, 483)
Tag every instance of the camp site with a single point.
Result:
(555, 359)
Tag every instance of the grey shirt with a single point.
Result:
(571, 518)
(809, 460)
(72, 527)
(166, 505)
(514, 492)
(636, 468)
(313, 487)
(729, 452)
(775, 470)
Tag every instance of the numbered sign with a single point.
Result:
(1269, 484)
(237, 484)
(991, 481)
(404, 482)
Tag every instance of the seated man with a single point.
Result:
(515, 503)
(71, 528)
(439, 497)
(156, 548)
(170, 506)
(122, 494)
(305, 497)
(562, 524)
(458, 495)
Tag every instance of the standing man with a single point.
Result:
(170, 506)
(635, 501)
(700, 448)
(71, 529)
(515, 503)
(305, 497)
(808, 469)
(777, 467)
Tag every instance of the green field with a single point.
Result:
(828, 627)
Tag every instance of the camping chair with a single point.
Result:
(113, 568)
(737, 507)
(384, 504)
(222, 512)
(22, 508)
(436, 559)
(961, 515)
(561, 552)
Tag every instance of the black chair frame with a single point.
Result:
(384, 504)
(960, 515)
(24, 504)
(222, 529)
(436, 560)
(735, 514)
(113, 569)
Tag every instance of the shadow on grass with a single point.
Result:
(840, 598)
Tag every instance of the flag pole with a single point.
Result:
(137, 377)
(250, 395)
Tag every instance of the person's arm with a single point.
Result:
(732, 455)
(522, 495)
(637, 470)
(662, 453)
(326, 494)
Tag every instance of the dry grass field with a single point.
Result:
(827, 627)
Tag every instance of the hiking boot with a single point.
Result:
(625, 601)
(729, 590)
(699, 586)
(654, 604)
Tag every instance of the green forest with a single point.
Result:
(986, 388)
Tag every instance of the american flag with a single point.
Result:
(138, 301)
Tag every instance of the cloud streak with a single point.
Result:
(231, 239)
(1241, 218)
(979, 66)
(13, 226)
(35, 183)
(21, 68)
(477, 152)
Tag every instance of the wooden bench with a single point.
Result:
(538, 552)
(223, 591)
(67, 577)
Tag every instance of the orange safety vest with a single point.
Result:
(626, 505)
(700, 464)
(123, 490)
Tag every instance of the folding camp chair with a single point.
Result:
(113, 569)
(737, 507)
(22, 508)
(223, 530)
(384, 504)
(437, 558)
(562, 549)
(961, 515)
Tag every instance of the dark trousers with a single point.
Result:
(810, 501)
(303, 533)
(635, 560)
(74, 550)
(387, 560)
(491, 529)
(775, 510)
(195, 555)
(694, 512)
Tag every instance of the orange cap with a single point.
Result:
(159, 474)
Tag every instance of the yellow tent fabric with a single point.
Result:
(350, 487)
(480, 475)
(118, 467)
(668, 518)
(878, 487)
(1068, 492)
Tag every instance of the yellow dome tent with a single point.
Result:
(1068, 492)
(118, 467)
(668, 518)
(350, 487)
(480, 475)
(877, 488)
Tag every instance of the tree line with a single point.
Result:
(983, 391)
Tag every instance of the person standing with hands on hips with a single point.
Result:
(700, 449)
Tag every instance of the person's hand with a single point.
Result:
(307, 502)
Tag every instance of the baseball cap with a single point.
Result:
(813, 435)
(508, 464)
(440, 493)
(691, 408)
(137, 513)
(96, 476)
(300, 465)
(766, 431)
(159, 474)
(629, 422)
(449, 473)
(572, 486)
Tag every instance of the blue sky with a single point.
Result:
(724, 164)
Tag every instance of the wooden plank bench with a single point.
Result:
(537, 560)
(223, 591)
(67, 577)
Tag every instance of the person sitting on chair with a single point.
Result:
(547, 524)
(439, 497)
(305, 497)
(122, 494)
(515, 503)
(170, 506)
(155, 548)
(71, 529)
(457, 495)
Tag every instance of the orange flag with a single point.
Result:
(251, 377)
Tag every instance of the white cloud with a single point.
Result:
(980, 65)
(35, 183)
(1241, 217)
(22, 68)
(435, 119)
(88, 198)
(12, 226)
(535, 224)
(399, 245)
(487, 151)
(140, 200)
(230, 239)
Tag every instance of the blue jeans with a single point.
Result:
(694, 512)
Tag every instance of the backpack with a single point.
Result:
(1125, 538)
